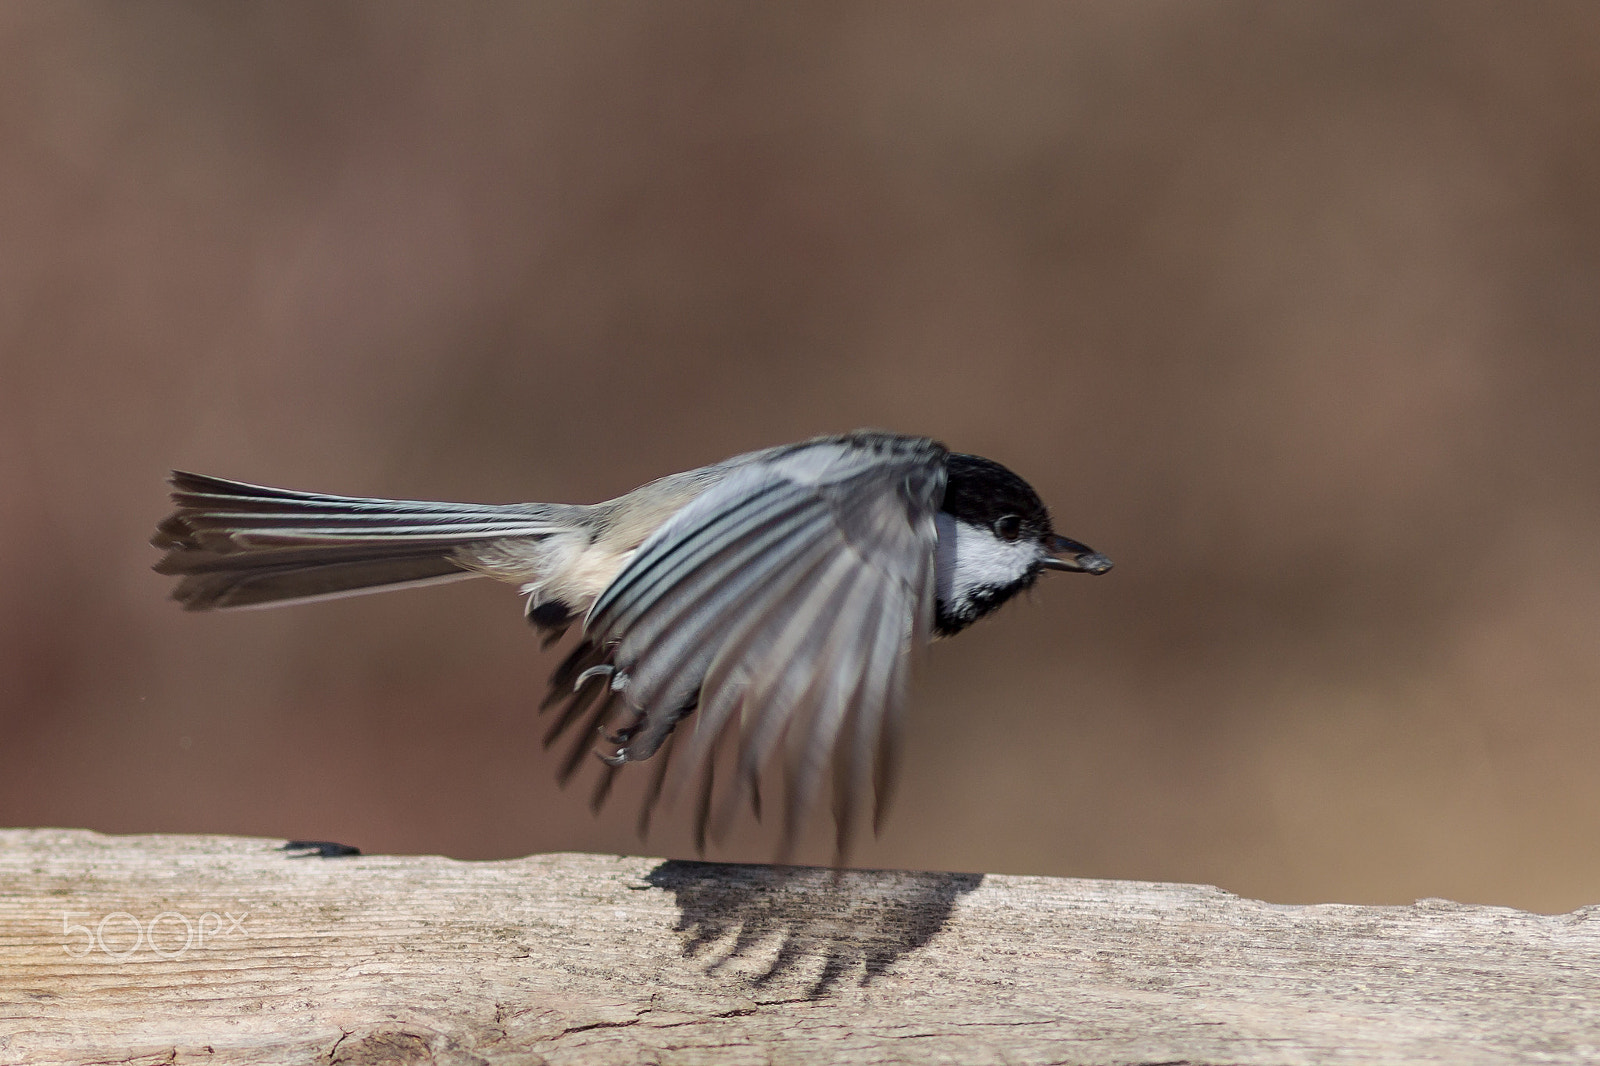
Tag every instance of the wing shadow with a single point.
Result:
(845, 918)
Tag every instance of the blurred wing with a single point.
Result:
(792, 592)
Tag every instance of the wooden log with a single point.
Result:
(195, 949)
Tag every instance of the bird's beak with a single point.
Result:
(1071, 556)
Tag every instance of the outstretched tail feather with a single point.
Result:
(239, 545)
(220, 514)
(257, 579)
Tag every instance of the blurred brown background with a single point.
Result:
(1290, 309)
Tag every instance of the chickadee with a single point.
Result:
(776, 596)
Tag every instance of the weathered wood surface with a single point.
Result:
(260, 958)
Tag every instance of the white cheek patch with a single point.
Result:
(970, 559)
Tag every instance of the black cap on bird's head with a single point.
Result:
(985, 494)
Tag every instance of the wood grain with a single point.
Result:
(190, 949)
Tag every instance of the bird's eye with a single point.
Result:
(1008, 527)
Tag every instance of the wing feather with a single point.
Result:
(768, 700)
(686, 625)
(707, 535)
(765, 724)
(818, 720)
(738, 640)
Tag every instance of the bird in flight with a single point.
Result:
(759, 611)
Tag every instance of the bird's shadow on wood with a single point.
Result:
(844, 918)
